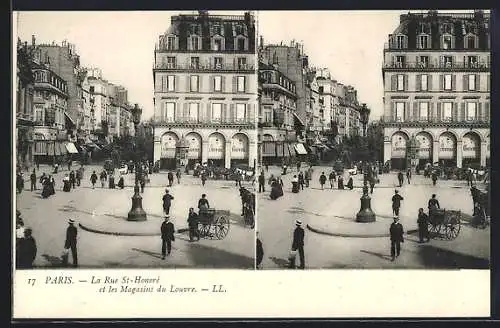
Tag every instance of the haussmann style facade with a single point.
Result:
(205, 91)
(436, 75)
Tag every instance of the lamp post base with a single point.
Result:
(365, 214)
(136, 213)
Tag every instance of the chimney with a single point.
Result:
(261, 41)
(33, 40)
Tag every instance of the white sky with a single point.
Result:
(121, 44)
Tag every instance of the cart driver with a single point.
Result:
(433, 203)
(203, 204)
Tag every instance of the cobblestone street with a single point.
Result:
(105, 210)
(358, 245)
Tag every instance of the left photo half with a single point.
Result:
(135, 141)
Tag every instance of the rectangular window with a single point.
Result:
(218, 83)
(424, 111)
(472, 62)
(423, 61)
(195, 43)
(471, 111)
(241, 84)
(448, 61)
(242, 63)
(400, 41)
(169, 114)
(194, 83)
(423, 41)
(240, 44)
(39, 115)
(218, 62)
(240, 112)
(401, 83)
(400, 111)
(447, 82)
(171, 62)
(447, 110)
(471, 81)
(268, 115)
(195, 62)
(170, 43)
(216, 112)
(400, 61)
(423, 83)
(193, 112)
(170, 83)
(471, 42)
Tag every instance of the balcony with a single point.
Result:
(434, 121)
(205, 67)
(422, 66)
(203, 122)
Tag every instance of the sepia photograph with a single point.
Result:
(135, 139)
(374, 139)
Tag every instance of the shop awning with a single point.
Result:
(69, 119)
(70, 147)
(298, 119)
(301, 150)
(291, 149)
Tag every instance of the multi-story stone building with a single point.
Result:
(436, 74)
(278, 104)
(50, 103)
(205, 90)
(24, 106)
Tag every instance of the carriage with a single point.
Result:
(444, 223)
(213, 224)
(481, 215)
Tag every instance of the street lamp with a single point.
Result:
(182, 147)
(136, 213)
(412, 153)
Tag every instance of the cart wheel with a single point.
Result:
(203, 230)
(221, 227)
(433, 230)
(452, 228)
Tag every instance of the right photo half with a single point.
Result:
(373, 139)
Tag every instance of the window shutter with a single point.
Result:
(200, 83)
(406, 111)
(394, 82)
(225, 114)
(188, 83)
(176, 43)
(431, 114)
(419, 82)
(454, 113)
(231, 113)
(441, 82)
(177, 112)
(405, 42)
(416, 114)
(176, 83)
(479, 111)
(235, 84)
(207, 113)
(478, 82)
(453, 82)
(405, 80)
(438, 113)
(429, 82)
(185, 111)
(464, 115)
(486, 111)
(223, 84)
(466, 83)
(247, 85)
(393, 111)
(393, 61)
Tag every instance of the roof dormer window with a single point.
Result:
(217, 43)
(171, 43)
(447, 41)
(400, 41)
(423, 41)
(240, 43)
(471, 41)
(194, 43)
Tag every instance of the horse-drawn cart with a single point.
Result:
(444, 223)
(213, 224)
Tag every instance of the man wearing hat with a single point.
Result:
(167, 236)
(71, 234)
(167, 202)
(396, 232)
(26, 250)
(396, 202)
(298, 244)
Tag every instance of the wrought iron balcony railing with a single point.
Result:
(205, 66)
(430, 120)
(440, 66)
(201, 120)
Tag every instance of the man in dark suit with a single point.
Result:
(262, 182)
(26, 250)
(193, 225)
(71, 234)
(433, 204)
(167, 202)
(259, 251)
(298, 244)
(167, 236)
(396, 232)
(396, 203)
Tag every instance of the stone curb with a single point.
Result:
(127, 234)
(353, 235)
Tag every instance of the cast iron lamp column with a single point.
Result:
(365, 213)
(136, 213)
